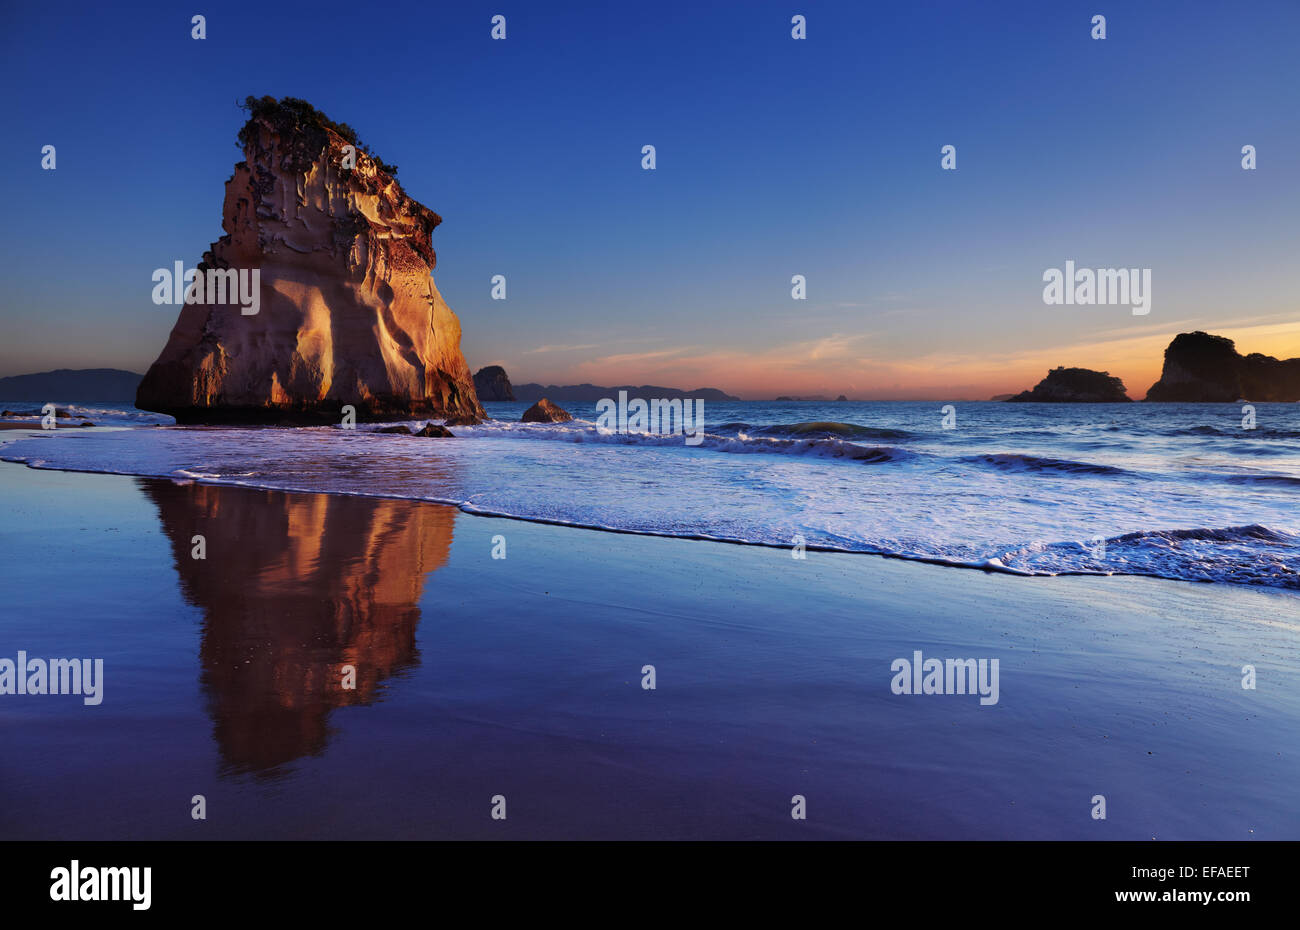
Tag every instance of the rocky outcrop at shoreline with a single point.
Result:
(345, 312)
(545, 412)
(1200, 367)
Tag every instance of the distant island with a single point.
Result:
(1199, 368)
(492, 383)
(1075, 386)
(106, 385)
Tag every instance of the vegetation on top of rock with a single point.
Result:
(293, 115)
(1077, 386)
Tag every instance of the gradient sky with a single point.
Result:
(775, 157)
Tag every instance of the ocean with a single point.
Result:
(1178, 491)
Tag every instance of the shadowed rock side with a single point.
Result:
(1200, 367)
(349, 313)
(492, 383)
(1075, 386)
(324, 581)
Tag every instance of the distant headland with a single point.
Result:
(1200, 367)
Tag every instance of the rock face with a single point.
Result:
(545, 412)
(348, 312)
(492, 383)
(1075, 386)
(1200, 367)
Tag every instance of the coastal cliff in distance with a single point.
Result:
(592, 393)
(346, 312)
(1075, 386)
(107, 385)
(1200, 367)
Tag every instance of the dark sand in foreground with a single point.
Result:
(522, 677)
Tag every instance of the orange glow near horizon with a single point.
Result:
(844, 365)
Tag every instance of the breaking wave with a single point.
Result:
(1094, 499)
(1016, 462)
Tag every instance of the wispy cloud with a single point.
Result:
(560, 348)
(636, 358)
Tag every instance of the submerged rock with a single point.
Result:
(545, 412)
(434, 431)
(346, 312)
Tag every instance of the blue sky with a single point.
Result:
(775, 157)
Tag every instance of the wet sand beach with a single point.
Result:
(522, 677)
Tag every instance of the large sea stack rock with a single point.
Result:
(1075, 386)
(348, 314)
(1200, 367)
(492, 383)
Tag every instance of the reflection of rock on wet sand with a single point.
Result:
(294, 588)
